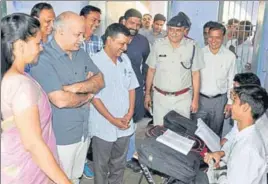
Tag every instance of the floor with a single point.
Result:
(133, 178)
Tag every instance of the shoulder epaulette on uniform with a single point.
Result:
(190, 40)
(159, 40)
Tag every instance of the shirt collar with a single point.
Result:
(59, 50)
(182, 42)
(207, 50)
(107, 58)
(49, 38)
(245, 132)
(152, 33)
(93, 37)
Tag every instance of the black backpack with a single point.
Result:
(168, 161)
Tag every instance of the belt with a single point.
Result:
(176, 93)
(210, 97)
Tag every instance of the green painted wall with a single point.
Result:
(3, 8)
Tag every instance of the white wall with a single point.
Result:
(58, 6)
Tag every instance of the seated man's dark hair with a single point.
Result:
(255, 96)
(247, 79)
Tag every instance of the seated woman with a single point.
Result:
(28, 147)
(246, 162)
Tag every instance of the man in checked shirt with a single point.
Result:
(92, 43)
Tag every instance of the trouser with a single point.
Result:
(215, 109)
(201, 178)
(164, 104)
(139, 110)
(109, 160)
(131, 147)
(72, 158)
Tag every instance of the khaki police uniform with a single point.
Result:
(171, 76)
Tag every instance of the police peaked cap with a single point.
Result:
(186, 17)
(179, 21)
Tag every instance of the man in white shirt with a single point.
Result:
(243, 47)
(216, 78)
(246, 159)
(111, 121)
(261, 123)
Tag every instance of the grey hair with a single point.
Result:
(60, 20)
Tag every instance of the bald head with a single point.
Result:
(69, 29)
(67, 19)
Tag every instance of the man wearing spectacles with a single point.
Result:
(217, 78)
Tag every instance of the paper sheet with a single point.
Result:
(176, 141)
(211, 139)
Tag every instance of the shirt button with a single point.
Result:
(75, 73)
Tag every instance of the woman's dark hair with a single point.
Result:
(17, 26)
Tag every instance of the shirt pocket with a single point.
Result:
(222, 75)
(126, 78)
(162, 62)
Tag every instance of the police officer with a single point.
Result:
(173, 74)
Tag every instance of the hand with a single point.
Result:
(69, 89)
(89, 98)
(223, 141)
(227, 110)
(194, 106)
(127, 118)
(90, 74)
(147, 102)
(120, 123)
(216, 156)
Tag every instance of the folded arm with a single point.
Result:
(65, 99)
(91, 85)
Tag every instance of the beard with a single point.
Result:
(133, 32)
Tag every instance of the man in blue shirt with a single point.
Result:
(45, 14)
(64, 71)
(111, 123)
(138, 51)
